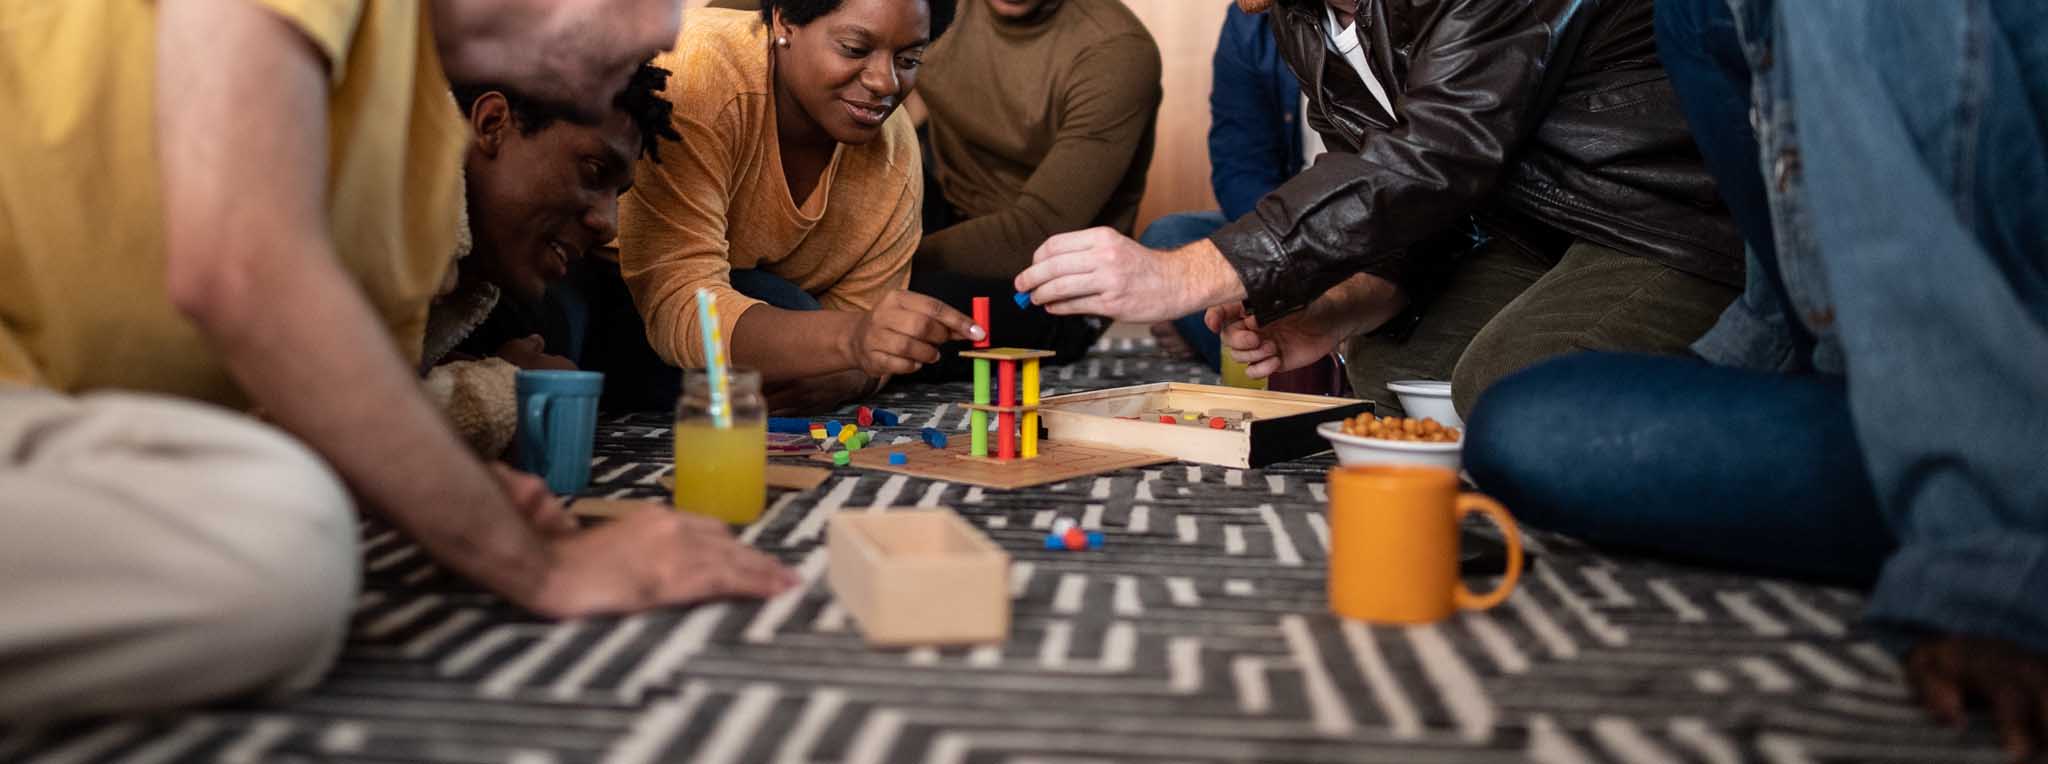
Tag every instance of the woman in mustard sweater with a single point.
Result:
(794, 196)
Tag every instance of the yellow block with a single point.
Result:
(1031, 417)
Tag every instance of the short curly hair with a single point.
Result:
(641, 100)
(802, 12)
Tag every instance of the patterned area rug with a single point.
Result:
(1198, 634)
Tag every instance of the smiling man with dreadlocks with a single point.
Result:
(543, 191)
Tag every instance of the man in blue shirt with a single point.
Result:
(1256, 142)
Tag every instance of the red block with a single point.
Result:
(1076, 539)
(865, 416)
(1217, 423)
(1164, 419)
(981, 320)
(1006, 393)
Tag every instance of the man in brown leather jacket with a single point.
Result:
(1508, 180)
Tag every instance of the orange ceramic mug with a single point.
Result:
(1394, 544)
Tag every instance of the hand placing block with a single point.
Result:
(918, 577)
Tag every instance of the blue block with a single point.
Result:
(789, 425)
(832, 428)
(1023, 300)
(1094, 539)
(887, 418)
(933, 437)
(1054, 543)
(898, 458)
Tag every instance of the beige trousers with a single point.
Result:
(156, 552)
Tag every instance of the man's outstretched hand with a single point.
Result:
(1948, 673)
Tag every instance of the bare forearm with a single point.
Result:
(1361, 303)
(311, 354)
(793, 344)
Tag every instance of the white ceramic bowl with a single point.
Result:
(1354, 449)
(1428, 400)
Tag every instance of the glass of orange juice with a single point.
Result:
(719, 470)
(1234, 374)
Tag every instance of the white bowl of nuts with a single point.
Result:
(1366, 439)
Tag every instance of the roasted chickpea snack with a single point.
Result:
(1400, 428)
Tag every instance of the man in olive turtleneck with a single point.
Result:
(1041, 118)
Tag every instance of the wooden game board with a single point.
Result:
(1056, 462)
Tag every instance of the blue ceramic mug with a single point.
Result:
(557, 423)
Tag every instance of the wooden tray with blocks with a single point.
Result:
(1225, 426)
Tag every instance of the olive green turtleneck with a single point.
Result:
(1037, 127)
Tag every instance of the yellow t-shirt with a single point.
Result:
(82, 299)
(717, 201)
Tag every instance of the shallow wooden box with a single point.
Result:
(1283, 425)
(918, 577)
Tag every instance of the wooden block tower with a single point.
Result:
(1007, 408)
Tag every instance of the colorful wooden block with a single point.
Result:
(981, 320)
(933, 437)
(865, 416)
(1023, 300)
(887, 418)
(899, 458)
(842, 458)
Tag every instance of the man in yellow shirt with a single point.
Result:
(253, 214)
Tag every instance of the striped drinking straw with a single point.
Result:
(714, 360)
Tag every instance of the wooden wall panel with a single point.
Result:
(1186, 31)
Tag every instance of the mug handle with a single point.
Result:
(1469, 503)
(533, 443)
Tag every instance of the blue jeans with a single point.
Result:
(603, 331)
(1173, 232)
(1907, 175)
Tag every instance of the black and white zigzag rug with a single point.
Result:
(1198, 635)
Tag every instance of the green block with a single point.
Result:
(842, 458)
(977, 434)
(981, 381)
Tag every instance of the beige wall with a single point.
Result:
(1186, 31)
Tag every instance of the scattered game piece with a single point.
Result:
(1023, 300)
(1053, 543)
(1062, 525)
(832, 428)
(1168, 419)
(842, 458)
(1094, 539)
(847, 432)
(818, 432)
(1217, 423)
(887, 418)
(866, 437)
(865, 416)
(1075, 539)
(898, 458)
(855, 444)
(933, 437)
(788, 425)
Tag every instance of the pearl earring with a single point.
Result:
(782, 42)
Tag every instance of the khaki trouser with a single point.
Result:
(157, 552)
(1505, 309)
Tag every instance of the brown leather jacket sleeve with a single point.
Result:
(1461, 110)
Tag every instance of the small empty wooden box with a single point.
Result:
(918, 577)
(1282, 426)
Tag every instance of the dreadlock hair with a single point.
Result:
(802, 12)
(641, 101)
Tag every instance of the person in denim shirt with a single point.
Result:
(1256, 142)
(1874, 409)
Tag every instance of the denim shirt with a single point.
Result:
(1255, 130)
(1908, 205)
